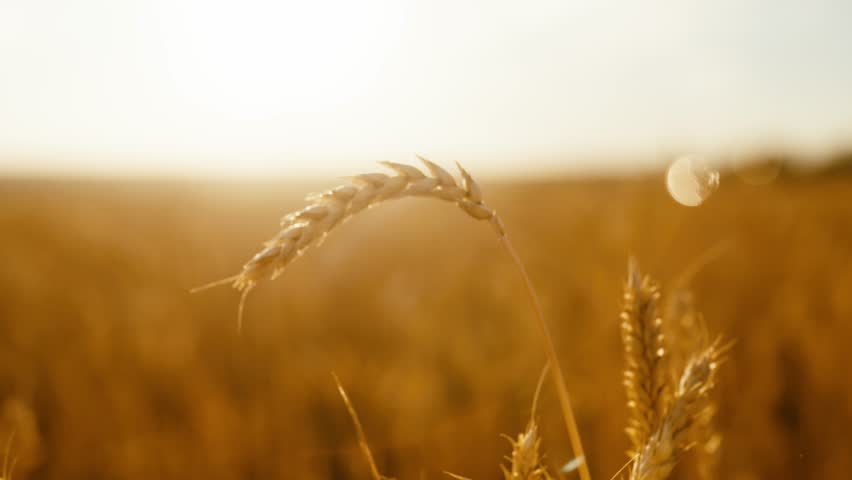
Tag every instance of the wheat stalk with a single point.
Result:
(359, 430)
(690, 408)
(308, 227)
(645, 375)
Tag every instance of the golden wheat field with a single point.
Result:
(112, 369)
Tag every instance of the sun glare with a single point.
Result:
(277, 58)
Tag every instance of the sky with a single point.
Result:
(315, 87)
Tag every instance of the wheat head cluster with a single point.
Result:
(669, 401)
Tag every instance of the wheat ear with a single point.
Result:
(359, 430)
(526, 462)
(645, 376)
(690, 408)
(308, 227)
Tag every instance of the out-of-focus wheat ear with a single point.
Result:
(691, 405)
(359, 431)
(526, 462)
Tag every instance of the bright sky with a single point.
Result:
(276, 87)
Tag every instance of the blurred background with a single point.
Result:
(149, 147)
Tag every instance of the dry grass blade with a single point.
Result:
(359, 430)
(645, 375)
(690, 407)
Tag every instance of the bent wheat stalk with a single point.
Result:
(309, 226)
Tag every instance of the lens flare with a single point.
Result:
(690, 180)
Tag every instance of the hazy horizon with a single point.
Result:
(309, 89)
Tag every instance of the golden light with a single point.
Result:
(277, 58)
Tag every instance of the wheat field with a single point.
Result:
(112, 369)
